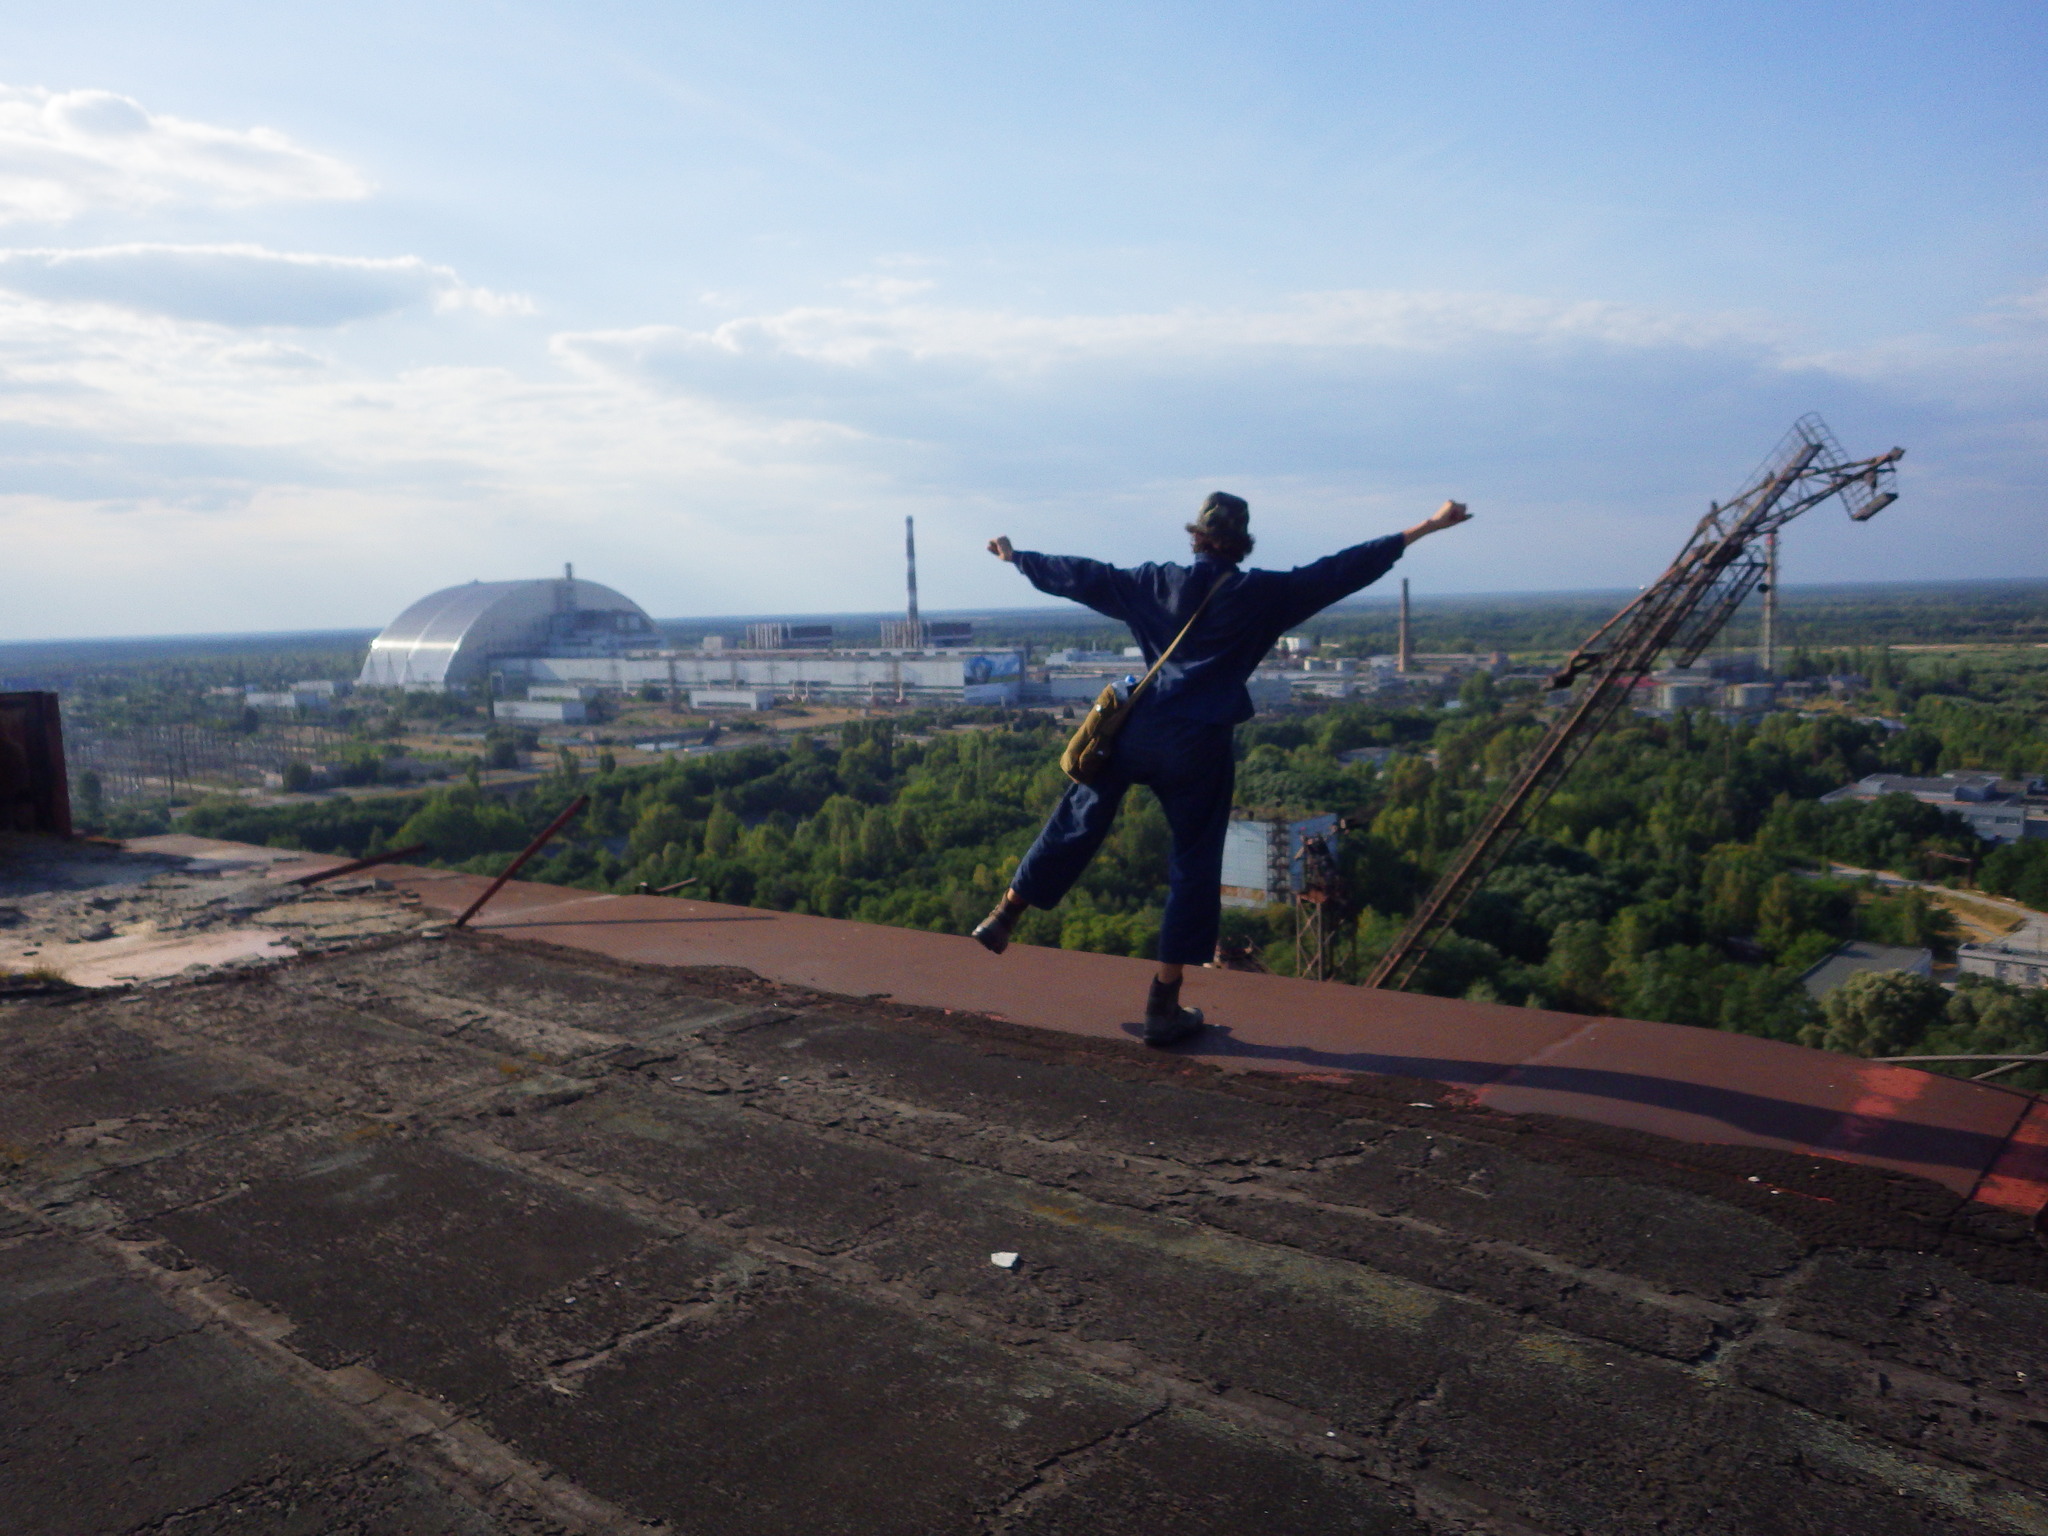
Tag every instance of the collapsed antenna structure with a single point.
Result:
(1681, 611)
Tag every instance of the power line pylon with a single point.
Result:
(1682, 611)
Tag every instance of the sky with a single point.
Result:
(308, 311)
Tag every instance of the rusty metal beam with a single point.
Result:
(547, 835)
(348, 869)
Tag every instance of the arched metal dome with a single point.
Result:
(448, 639)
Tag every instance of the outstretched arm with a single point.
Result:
(1315, 587)
(1089, 582)
(1449, 515)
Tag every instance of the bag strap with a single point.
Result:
(1146, 681)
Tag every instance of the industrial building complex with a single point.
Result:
(1998, 810)
(455, 638)
(556, 641)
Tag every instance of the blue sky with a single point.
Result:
(306, 311)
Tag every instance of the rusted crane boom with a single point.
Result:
(1682, 611)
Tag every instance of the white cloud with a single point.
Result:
(243, 285)
(759, 464)
(1411, 322)
(66, 153)
(1332, 385)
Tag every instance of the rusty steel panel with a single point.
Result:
(35, 794)
(1711, 1085)
(2018, 1180)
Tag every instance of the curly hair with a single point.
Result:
(1227, 545)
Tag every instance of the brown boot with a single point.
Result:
(994, 933)
(1166, 1022)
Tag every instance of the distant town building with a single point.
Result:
(1686, 694)
(789, 637)
(1450, 664)
(298, 696)
(1078, 658)
(1857, 956)
(926, 634)
(1995, 808)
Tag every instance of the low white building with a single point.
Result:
(732, 698)
(927, 676)
(2005, 962)
(1995, 808)
(541, 711)
(298, 696)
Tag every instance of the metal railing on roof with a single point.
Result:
(2013, 1060)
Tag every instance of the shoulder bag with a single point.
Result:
(1087, 755)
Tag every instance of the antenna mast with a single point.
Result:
(1681, 611)
(1769, 646)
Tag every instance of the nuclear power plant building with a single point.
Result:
(514, 635)
(455, 637)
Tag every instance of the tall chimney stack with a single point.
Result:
(1406, 657)
(910, 561)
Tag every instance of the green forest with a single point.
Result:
(1681, 874)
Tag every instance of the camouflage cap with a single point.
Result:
(1224, 513)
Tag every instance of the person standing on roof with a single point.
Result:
(1178, 739)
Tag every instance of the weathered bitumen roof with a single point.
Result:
(482, 1232)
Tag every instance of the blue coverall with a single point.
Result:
(1178, 739)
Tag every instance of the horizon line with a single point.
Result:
(1347, 605)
